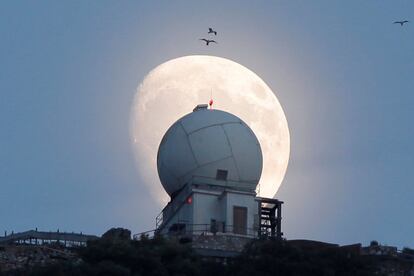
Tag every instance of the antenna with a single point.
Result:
(210, 103)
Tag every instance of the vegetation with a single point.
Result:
(159, 256)
(156, 256)
(282, 258)
(407, 250)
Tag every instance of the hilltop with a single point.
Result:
(116, 254)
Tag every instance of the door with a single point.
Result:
(239, 220)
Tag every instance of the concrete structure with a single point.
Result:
(210, 144)
(210, 163)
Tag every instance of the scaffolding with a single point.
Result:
(270, 218)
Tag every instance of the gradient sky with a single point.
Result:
(342, 71)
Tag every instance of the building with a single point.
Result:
(210, 163)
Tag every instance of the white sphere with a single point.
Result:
(212, 145)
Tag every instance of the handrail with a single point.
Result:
(42, 235)
(159, 219)
(206, 228)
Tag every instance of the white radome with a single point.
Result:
(173, 88)
(205, 141)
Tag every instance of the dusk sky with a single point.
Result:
(342, 71)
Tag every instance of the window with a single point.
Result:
(221, 175)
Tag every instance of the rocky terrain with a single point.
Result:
(117, 254)
(24, 257)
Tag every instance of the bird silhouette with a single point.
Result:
(211, 31)
(208, 41)
(401, 22)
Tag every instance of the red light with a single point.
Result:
(189, 200)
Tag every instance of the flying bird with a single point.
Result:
(401, 22)
(208, 41)
(211, 31)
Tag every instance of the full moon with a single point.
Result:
(175, 87)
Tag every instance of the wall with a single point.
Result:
(242, 200)
(210, 203)
(219, 206)
(206, 206)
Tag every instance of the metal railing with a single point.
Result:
(186, 229)
(218, 229)
(159, 219)
(200, 230)
(43, 237)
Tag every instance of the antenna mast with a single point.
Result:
(210, 103)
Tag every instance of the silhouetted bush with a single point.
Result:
(407, 250)
(281, 258)
(156, 256)
(162, 257)
(374, 243)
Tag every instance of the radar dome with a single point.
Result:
(212, 145)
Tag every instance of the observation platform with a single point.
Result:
(40, 237)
